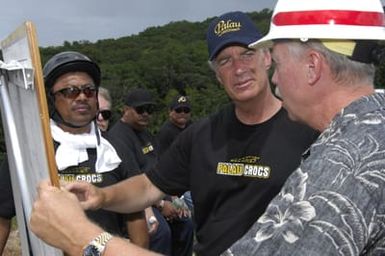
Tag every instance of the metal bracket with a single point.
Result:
(18, 74)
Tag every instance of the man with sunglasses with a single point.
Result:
(179, 119)
(104, 114)
(72, 83)
(131, 134)
(82, 154)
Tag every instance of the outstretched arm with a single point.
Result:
(130, 195)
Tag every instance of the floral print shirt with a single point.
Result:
(334, 203)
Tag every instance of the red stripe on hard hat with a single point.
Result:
(338, 17)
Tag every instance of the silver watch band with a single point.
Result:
(100, 241)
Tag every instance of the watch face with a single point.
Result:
(91, 250)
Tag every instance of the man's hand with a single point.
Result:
(169, 211)
(90, 196)
(53, 219)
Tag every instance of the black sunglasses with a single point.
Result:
(145, 108)
(104, 114)
(73, 92)
(182, 109)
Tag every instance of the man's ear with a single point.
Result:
(124, 109)
(267, 58)
(314, 66)
(218, 78)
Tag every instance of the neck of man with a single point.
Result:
(180, 125)
(257, 110)
(323, 112)
(72, 130)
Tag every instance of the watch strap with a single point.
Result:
(100, 241)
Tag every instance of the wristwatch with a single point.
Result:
(97, 245)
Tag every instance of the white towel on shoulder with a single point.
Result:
(73, 149)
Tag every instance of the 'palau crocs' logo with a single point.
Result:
(226, 26)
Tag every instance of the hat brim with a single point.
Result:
(142, 103)
(231, 41)
(264, 42)
(181, 106)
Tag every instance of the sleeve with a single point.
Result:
(171, 174)
(129, 166)
(7, 206)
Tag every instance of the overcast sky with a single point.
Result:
(75, 20)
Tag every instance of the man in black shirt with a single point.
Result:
(179, 119)
(82, 154)
(169, 235)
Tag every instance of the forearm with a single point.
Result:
(116, 246)
(131, 195)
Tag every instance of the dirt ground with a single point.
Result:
(13, 247)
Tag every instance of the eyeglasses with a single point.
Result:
(73, 92)
(104, 114)
(182, 109)
(145, 108)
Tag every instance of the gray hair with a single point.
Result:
(343, 69)
(105, 93)
(213, 65)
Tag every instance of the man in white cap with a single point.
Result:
(334, 203)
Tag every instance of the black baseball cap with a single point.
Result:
(232, 28)
(139, 97)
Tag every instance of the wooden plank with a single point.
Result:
(26, 126)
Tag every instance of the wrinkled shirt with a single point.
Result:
(334, 203)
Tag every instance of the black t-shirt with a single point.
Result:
(85, 171)
(139, 146)
(233, 171)
(110, 221)
(167, 134)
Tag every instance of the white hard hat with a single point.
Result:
(326, 19)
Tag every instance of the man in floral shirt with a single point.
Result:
(334, 203)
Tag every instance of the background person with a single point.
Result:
(179, 114)
(334, 203)
(171, 235)
(179, 119)
(105, 105)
